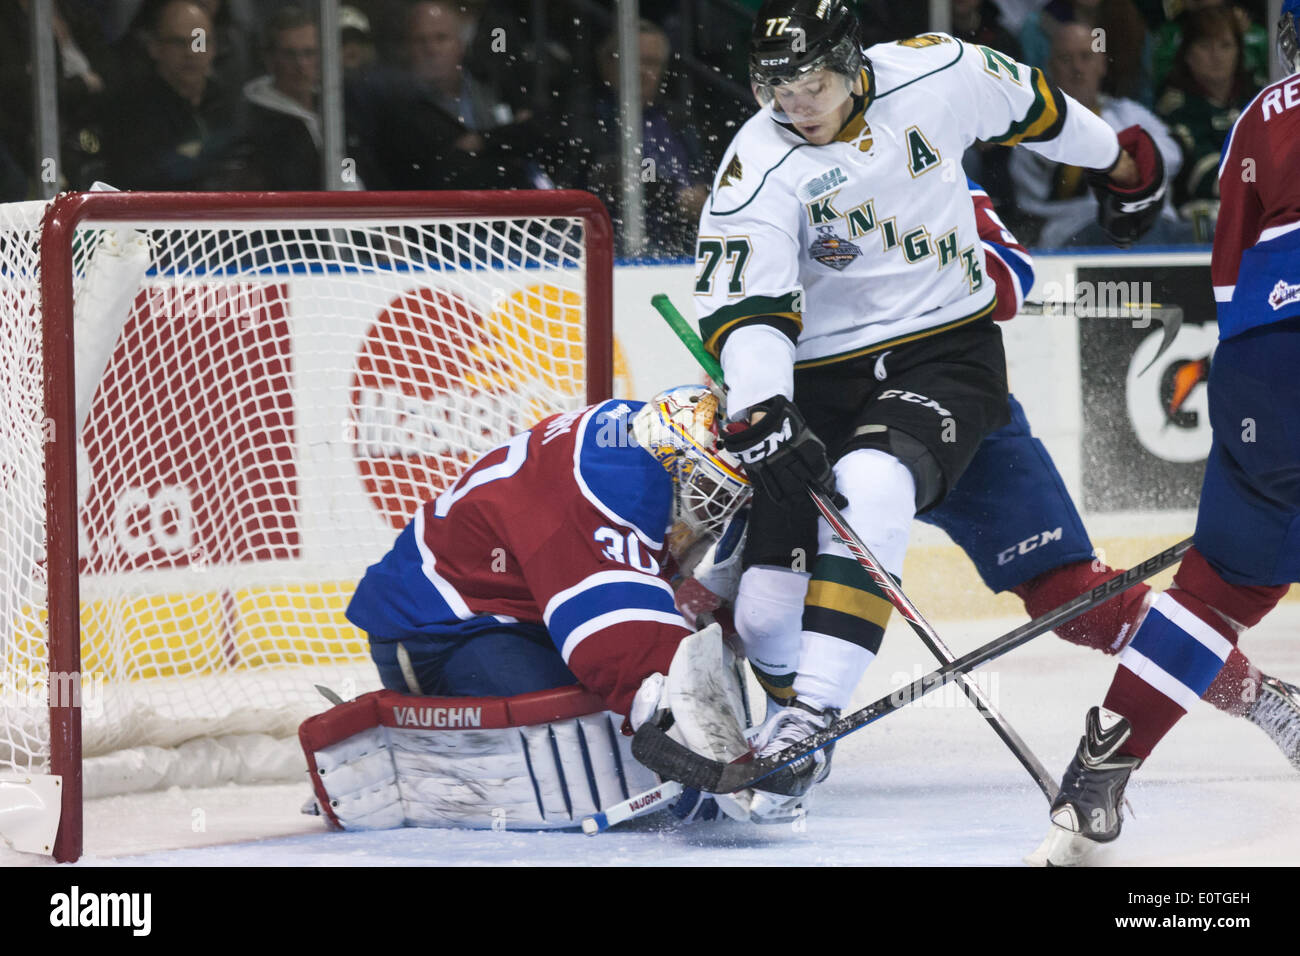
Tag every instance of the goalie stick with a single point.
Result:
(883, 579)
(653, 799)
(657, 751)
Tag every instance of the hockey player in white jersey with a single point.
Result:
(840, 281)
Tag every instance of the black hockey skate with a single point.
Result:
(1276, 711)
(1088, 810)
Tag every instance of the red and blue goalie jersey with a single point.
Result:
(563, 525)
(1257, 236)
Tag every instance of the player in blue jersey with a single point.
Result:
(1247, 542)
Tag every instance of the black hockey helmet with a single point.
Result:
(791, 38)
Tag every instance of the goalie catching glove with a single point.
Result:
(781, 454)
(701, 705)
(1127, 214)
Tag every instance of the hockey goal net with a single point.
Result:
(265, 386)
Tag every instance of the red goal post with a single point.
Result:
(505, 294)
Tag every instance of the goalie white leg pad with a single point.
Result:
(708, 708)
(535, 761)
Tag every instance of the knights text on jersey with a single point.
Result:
(563, 524)
(871, 240)
(1257, 237)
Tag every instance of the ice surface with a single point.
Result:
(928, 785)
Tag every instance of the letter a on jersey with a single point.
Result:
(921, 155)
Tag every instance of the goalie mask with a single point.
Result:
(680, 428)
(804, 56)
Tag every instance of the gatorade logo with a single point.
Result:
(1169, 405)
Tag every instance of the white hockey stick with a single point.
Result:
(633, 807)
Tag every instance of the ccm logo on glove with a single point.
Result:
(766, 445)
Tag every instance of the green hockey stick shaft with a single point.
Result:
(690, 338)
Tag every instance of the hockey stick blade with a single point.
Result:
(715, 777)
(655, 749)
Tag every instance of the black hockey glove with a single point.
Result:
(781, 455)
(1126, 215)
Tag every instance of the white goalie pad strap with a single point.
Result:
(535, 761)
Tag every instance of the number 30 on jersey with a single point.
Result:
(626, 549)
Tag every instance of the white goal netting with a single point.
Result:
(261, 406)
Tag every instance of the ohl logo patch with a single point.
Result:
(830, 250)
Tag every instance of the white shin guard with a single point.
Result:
(769, 614)
(882, 504)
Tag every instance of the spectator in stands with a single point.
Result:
(1122, 39)
(177, 127)
(356, 46)
(233, 23)
(1208, 88)
(283, 149)
(675, 186)
(1058, 194)
(1255, 48)
(433, 126)
(436, 39)
(80, 52)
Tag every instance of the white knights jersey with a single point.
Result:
(871, 240)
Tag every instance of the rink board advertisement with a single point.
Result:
(1146, 434)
